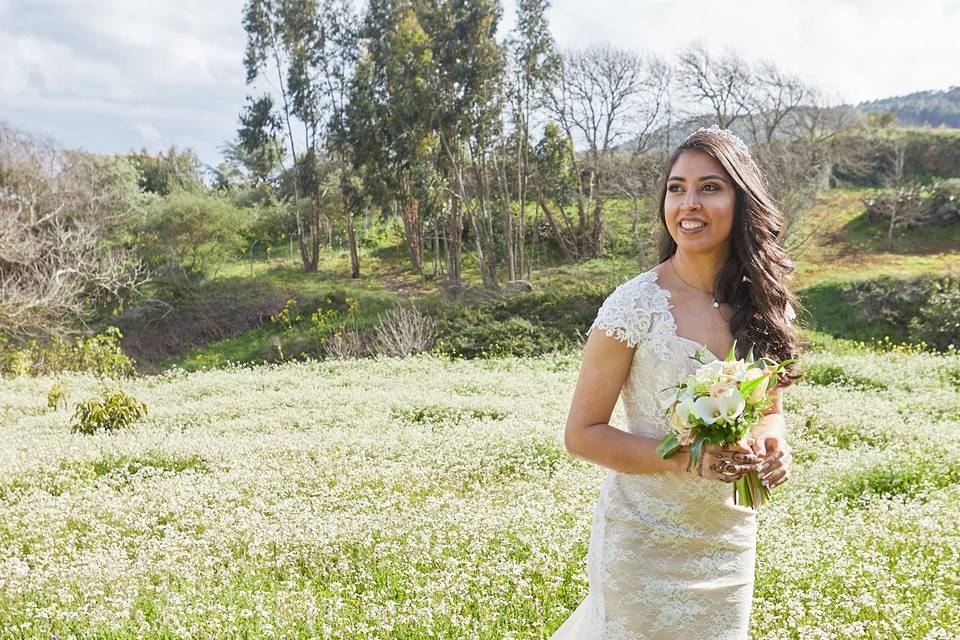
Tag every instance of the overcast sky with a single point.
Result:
(116, 75)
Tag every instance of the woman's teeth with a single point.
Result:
(690, 225)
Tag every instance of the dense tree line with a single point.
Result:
(417, 109)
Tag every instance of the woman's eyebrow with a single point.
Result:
(711, 176)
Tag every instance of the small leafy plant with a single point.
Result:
(57, 396)
(115, 410)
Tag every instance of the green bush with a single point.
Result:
(185, 233)
(100, 354)
(938, 321)
(529, 324)
(115, 410)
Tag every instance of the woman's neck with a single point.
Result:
(698, 270)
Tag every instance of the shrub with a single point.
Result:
(934, 205)
(938, 320)
(58, 395)
(100, 354)
(185, 233)
(115, 410)
(401, 332)
(345, 344)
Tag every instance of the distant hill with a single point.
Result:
(919, 109)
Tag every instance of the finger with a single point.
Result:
(773, 455)
(744, 458)
(786, 476)
(770, 467)
(772, 479)
(760, 447)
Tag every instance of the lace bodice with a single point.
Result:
(638, 312)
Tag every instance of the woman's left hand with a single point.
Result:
(776, 459)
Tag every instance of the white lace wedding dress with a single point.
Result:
(670, 556)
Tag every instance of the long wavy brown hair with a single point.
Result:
(755, 278)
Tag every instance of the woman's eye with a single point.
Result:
(675, 187)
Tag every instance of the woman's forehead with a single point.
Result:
(696, 165)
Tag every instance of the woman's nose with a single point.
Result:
(690, 200)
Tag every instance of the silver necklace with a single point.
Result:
(713, 300)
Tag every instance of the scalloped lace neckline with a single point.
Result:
(673, 321)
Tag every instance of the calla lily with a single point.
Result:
(731, 406)
(707, 409)
(684, 409)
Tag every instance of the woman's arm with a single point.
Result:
(588, 434)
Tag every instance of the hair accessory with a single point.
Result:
(727, 135)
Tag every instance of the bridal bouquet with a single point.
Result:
(718, 404)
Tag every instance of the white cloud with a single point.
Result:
(860, 50)
(148, 132)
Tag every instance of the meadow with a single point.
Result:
(433, 498)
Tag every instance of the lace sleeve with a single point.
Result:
(623, 315)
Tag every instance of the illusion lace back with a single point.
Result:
(670, 555)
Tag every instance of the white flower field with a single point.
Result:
(424, 498)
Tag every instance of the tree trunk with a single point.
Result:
(410, 212)
(453, 242)
(352, 239)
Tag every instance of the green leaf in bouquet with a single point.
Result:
(731, 355)
(750, 354)
(668, 446)
(747, 387)
(696, 450)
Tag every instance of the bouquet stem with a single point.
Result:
(748, 491)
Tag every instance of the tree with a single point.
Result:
(166, 172)
(468, 99)
(722, 82)
(62, 250)
(276, 48)
(594, 103)
(534, 66)
(390, 112)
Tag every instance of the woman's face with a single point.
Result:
(701, 192)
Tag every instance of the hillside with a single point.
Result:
(841, 256)
(921, 108)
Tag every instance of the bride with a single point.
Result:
(671, 556)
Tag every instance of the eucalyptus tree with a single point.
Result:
(304, 50)
(390, 112)
(270, 56)
(534, 64)
(468, 99)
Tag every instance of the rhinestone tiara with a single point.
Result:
(726, 134)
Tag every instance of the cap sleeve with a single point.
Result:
(624, 314)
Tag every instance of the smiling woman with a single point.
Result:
(671, 554)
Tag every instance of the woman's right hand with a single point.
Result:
(738, 459)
